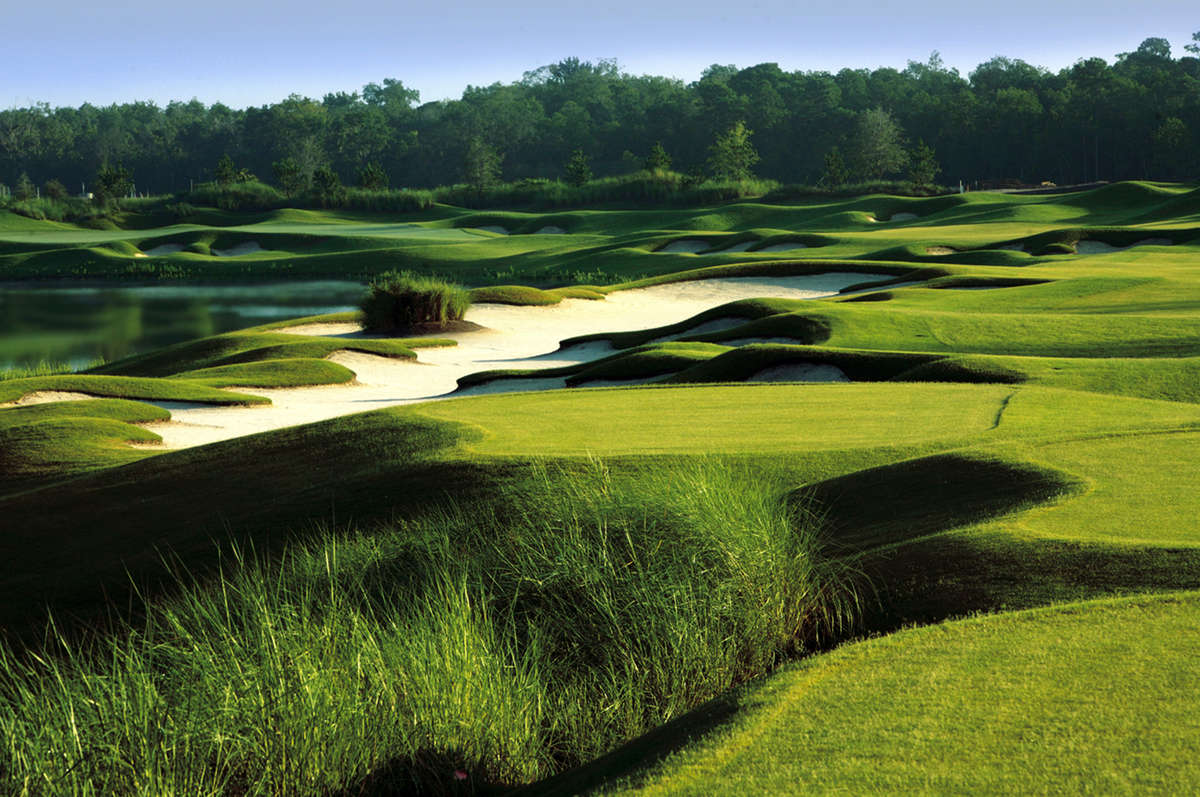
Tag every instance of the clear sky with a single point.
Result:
(250, 52)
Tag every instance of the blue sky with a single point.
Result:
(250, 53)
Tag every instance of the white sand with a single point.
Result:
(247, 248)
(512, 386)
(550, 229)
(800, 372)
(940, 250)
(686, 245)
(514, 337)
(164, 249)
(1101, 248)
(47, 397)
(739, 247)
(712, 325)
(903, 217)
(783, 247)
(494, 228)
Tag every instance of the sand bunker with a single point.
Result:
(686, 245)
(246, 248)
(494, 228)
(512, 386)
(1102, 248)
(800, 372)
(739, 247)
(550, 229)
(903, 217)
(164, 249)
(785, 247)
(48, 397)
(940, 250)
(1013, 248)
(714, 325)
(513, 337)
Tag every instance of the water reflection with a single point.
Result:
(78, 324)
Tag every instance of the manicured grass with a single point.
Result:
(1087, 698)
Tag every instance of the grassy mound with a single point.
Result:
(505, 644)
(401, 301)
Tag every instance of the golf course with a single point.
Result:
(832, 494)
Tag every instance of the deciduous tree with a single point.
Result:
(877, 147)
(732, 156)
(579, 168)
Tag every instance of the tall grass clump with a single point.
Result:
(643, 188)
(493, 645)
(398, 301)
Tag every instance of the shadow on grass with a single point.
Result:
(85, 544)
(898, 520)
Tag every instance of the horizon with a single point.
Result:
(237, 66)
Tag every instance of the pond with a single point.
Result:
(80, 324)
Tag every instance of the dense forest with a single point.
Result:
(1007, 120)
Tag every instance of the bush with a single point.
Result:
(400, 301)
(252, 195)
(54, 189)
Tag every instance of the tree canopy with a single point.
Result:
(1136, 116)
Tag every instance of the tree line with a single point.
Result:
(1138, 116)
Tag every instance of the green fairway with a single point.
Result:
(1090, 697)
(962, 559)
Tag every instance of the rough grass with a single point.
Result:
(402, 301)
(506, 644)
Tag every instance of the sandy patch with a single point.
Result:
(714, 325)
(513, 337)
(551, 229)
(940, 250)
(1102, 248)
(686, 246)
(787, 247)
(496, 228)
(48, 397)
(328, 330)
(246, 248)
(164, 249)
(512, 386)
(739, 247)
(800, 372)
(903, 217)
